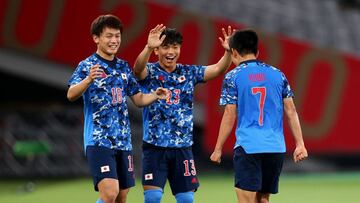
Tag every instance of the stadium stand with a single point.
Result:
(329, 23)
(41, 112)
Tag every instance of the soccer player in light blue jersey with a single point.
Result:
(104, 81)
(257, 95)
(168, 125)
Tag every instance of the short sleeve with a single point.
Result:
(228, 91)
(80, 73)
(199, 73)
(132, 87)
(287, 91)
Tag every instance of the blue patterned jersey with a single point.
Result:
(105, 108)
(169, 123)
(258, 90)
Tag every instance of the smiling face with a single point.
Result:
(168, 56)
(108, 42)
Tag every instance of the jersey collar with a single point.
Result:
(159, 66)
(111, 64)
(249, 61)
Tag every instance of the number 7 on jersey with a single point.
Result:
(262, 92)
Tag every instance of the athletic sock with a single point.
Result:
(185, 197)
(153, 196)
(99, 201)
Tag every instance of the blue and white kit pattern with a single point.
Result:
(105, 108)
(169, 123)
(229, 91)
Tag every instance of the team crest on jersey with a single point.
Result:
(123, 75)
(181, 79)
(149, 176)
(161, 78)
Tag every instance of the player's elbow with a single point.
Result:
(138, 100)
(71, 97)
(139, 104)
(138, 69)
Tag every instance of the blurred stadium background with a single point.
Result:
(316, 44)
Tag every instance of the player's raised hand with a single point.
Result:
(154, 39)
(95, 72)
(300, 153)
(225, 42)
(161, 93)
(216, 156)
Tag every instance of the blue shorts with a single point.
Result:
(108, 163)
(175, 164)
(257, 172)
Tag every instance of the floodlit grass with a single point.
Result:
(314, 188)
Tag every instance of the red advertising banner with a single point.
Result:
(324, 80)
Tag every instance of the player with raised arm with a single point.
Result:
(168, 125)
(104, 81)
(257, 95)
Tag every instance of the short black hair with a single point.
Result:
(103, 21)
(244, 42)
(172, 37)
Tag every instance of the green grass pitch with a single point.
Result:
(214, 188)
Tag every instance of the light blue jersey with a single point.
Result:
(105, 108)
(169, 123)
(258, 90)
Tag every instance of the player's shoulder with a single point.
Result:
(123, 66)
(269, 67)
(234, 72)
(153, 65)
(88, 62)
(189, 66)
(122, 61)
(153, 68)
(272, 70)
(188, 69)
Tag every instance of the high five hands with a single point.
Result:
(225, 42)
(154, 39)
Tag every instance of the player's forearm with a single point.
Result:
(141, 99)
(225, 62)
(227, 123)
(219, 68)
(141, 61)
(293, 121)
(295, 128)
(76, 91)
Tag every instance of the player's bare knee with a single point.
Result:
(109, 195)
(109, 198)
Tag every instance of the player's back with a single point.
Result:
(260, 90)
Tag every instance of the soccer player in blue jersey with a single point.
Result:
(104, 81)
(168, 125)
(257, 95)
